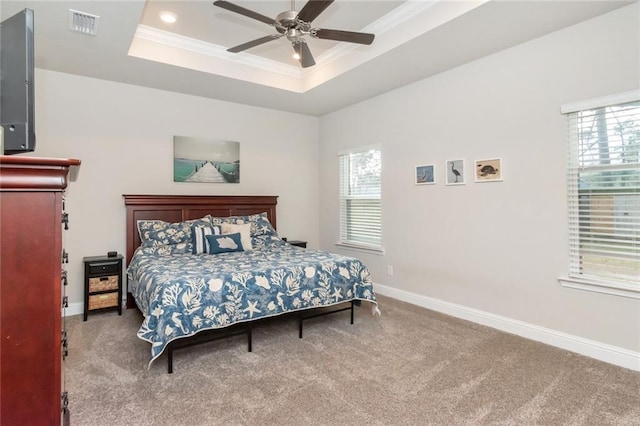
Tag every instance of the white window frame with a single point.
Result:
(574, 279)
(343, 240)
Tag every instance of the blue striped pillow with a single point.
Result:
(225, 243)
(198, 237)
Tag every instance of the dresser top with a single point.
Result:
(37, 161)
(23, 173)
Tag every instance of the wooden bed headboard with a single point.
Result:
(178, 208)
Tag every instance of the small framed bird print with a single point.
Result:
(454, 170)
(488, 170)
(425, 175)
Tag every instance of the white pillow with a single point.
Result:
(244, 230)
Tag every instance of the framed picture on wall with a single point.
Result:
(425, 175)
(488, 170)
(454, 172)
(205, 160)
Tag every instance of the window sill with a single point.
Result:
(612, 288)
(362, 248)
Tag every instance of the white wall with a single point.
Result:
(123, 135)
(493, 247)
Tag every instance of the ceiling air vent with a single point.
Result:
(82, 22)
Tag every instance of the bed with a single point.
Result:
(206, 267)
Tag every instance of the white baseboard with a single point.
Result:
(591, 348)
(74, 309)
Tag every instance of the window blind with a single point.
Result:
(360, 198)
(604, 193)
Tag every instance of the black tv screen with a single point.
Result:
(16, 83)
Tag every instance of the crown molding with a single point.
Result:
(209, 49)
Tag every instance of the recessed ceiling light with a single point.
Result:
(168, 17)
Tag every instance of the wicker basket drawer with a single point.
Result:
(103, 283)
(105, 300)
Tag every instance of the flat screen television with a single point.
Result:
(16, 83)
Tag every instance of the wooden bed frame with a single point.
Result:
(178, 208)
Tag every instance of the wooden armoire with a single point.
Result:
(32, 281)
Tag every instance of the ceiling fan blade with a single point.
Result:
(242, 11)
(306, 58)
(253, 43)
(339, 35)
(312, 9)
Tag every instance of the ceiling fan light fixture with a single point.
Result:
(296, 50)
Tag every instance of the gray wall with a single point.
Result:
(497, 248)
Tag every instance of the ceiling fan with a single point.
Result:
(294, 25)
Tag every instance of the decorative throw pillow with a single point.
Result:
(198, 234)
(224, 243)
(243, 229)
(260, 224)
(158, 232)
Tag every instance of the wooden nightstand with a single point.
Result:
(102, 283)
(298, 243)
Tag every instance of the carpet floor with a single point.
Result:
(410, 366)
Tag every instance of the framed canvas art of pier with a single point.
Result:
(205, 160)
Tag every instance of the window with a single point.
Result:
(604, 192)
(360, 198)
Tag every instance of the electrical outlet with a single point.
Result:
(390, 270)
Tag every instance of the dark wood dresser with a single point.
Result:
(32, 282)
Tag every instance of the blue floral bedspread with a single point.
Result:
(182, 294)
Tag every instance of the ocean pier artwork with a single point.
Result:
(205, 160)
